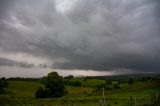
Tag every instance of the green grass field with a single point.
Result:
(21, 93)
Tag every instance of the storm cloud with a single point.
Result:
(92, 34)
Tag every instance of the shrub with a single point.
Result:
(3, 84)
(130, 81)
(54, 86)
(77, 83)
(73, 83)
(100, 86)
(69, 77)
(40, 93)
(109, 82)
(116, 86)
(108, 88)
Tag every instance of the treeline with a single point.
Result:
(24, 79)
(138, 77)
(122, 79)
(73, 83)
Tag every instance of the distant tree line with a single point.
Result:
(24, 79)
(69, 77)
(73, 83)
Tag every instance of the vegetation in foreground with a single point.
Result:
(85, 92)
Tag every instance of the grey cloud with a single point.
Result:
(8, 62)
(93, 34)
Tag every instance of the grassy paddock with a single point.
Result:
(21, 93)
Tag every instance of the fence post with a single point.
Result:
(100, 103)
(104, 102)
(156, 96)
(149, 100)
(135, 101)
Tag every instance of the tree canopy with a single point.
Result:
(54, 86)
(3, 84)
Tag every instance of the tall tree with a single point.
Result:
(54, 86)
(3, 84)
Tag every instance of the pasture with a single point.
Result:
(22, 93)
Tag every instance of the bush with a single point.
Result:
(116, 86)
(118, 82)
(77, 83)
(40, 93)
(100, 86)
(109, 82)
(54, 86)
(130, 81)
(108, 88)
(86, 78)
(146, 78)
(73, 83)
(69, 77)
(3, 84)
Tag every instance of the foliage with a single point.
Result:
(86, 78)
(108, 88)
(77, 83)
(109, 82)
(40, 92)
(73, 83)
(69, 77)
(99, 86)
(116, 86)
(130, 81)
(54, 86)
(146, 78)
(118, 82)
(23, 79)
(3, 84)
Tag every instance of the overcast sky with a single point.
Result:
(100, 35)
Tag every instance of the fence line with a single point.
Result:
(134, 101)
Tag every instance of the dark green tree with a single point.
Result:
(116, 86)
(109, 81)
(108, 88)
(54, 86)
(77, 83)
(130, 81)
(40, 93)
(54, 83)
(69, 77)
(3, 84)
(100, 86)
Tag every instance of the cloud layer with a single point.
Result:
(92, 34)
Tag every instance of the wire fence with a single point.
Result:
(151, 100)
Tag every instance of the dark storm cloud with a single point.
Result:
(93, 34)
(4, 5)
